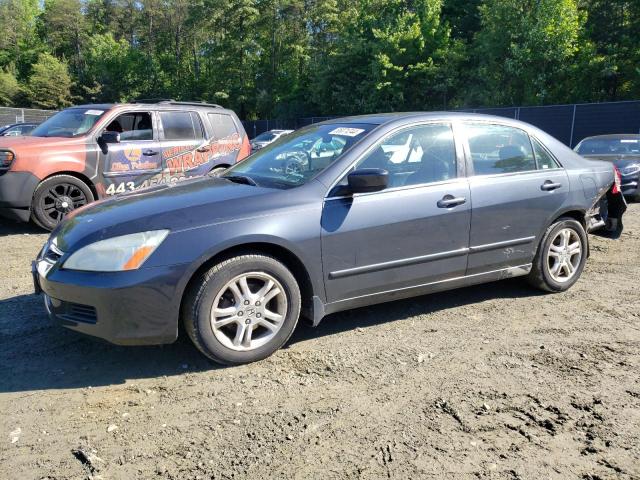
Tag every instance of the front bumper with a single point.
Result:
(139, 307)
(630, 183)
(16, 192)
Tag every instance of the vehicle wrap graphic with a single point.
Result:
(131, 159)
(174, 164)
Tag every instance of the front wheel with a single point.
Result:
(561, 256)
(55, 197)
(242, 309)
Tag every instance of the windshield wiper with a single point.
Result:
(241, 179)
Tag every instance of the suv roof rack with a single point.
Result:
(169, 101)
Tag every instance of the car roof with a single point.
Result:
(156, 104)
(384, 118)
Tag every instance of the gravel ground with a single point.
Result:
(495, 381)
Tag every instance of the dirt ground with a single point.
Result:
(495, 381)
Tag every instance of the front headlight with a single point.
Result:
(127, 252)
(630, 169)
(6, 158)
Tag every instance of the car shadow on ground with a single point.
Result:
(39, 355)
(9, 227)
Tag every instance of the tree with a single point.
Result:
(9, 88)
(391, 55)
(525, 50)
(50, 85)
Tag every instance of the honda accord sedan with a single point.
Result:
(239, 259)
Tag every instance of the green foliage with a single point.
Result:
(9, 88)
(49, 85)
(290, 58)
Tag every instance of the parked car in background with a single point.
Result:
(621, 150)
(267, 138)
(17, 129)
(89, 152)
(239, 258)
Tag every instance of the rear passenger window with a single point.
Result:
(544, 158)
(499, 149)
(180, 126)
(223, 125)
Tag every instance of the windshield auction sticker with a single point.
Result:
(347, 132)
(94, 112)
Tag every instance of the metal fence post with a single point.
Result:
(573, 124)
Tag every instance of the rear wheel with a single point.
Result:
(55, 197)
(242, 309)
(561, 256)
(217, 171)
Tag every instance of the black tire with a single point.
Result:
(55, 197)
(540, 276)
(199, 299)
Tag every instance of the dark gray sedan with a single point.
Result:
(410, 204)
(621, 150)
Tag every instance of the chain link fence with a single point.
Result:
(18, 115)
(568, 123)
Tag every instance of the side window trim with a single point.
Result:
(459, 157)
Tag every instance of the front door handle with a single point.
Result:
(150, 153)
(203, 149)
(449, 201)
(549, 186)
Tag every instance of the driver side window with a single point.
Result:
(132, 126)
(415, 156)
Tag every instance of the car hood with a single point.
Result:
(28, 142)
(178, 206)
(619, 161)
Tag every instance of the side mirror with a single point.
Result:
(110, 137)
(368, 180)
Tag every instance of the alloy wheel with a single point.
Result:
(249, 311)
(564, 255)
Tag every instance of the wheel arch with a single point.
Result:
(279, 252)
(79, 176)
(577, 213)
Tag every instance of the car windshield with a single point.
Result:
(610, 146)
(294, 159)
(264, 137)
(69, 123)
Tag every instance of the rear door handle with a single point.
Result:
(203, 149)
(449, 201)
(549, 186)
(150, 153)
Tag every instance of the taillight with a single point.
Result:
(6, 158)
(245, 149)
(617, 181)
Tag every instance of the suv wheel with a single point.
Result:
(242, 309)
(561, 256)
(217, 171)
(55, 197)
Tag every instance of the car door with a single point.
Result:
(516, 185)
(414, 232)
(184, 149)
(130, 163)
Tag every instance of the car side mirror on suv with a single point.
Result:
(366, 180)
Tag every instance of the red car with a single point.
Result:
(90, 152)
